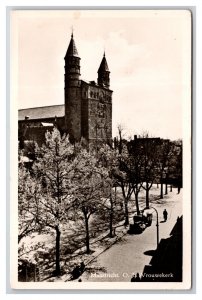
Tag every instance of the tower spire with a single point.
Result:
(103, 73)
(72, 50)
(72, 91)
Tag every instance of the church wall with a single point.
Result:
(100, 113)
(36, 134)
(73, 112)
(32, 130)
(84, 111)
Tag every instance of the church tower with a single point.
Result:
(72, 92)
(97, 107)
(103, 73)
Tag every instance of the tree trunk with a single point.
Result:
(136, 203)
(57, 256)
(35, 273)
(157, 185)
(19, 238)
(166, 190)
(26, 275)
(126, 212)
(111, 224)
(147, 195)
(87, 235)
(171, 188)
(111, 216)
(161, 195)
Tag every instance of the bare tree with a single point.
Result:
(149, 149)
(121, 135)
(135, 171)
(164, 153)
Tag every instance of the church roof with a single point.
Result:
(103, 66)
(72, 50)
(43, 112)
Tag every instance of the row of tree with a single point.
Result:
(68, 182)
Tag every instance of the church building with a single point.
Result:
(86, 112)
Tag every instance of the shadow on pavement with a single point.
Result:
(166, 262)
(150, 252)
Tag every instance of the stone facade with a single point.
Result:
(96, 112)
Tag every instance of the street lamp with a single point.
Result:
(157, 223)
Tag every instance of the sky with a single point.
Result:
(148, 54)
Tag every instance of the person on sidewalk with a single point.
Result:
(165, 215)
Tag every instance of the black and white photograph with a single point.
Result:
(101, 149)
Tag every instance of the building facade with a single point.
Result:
(87, 109)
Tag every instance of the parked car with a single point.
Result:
(137, 228)
(140, 222)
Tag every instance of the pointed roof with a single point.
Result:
(72, 50)
(103, 66)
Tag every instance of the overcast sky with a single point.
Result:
(148, 54)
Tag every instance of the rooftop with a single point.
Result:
(42, 112)
(103, 66)
(72, 50)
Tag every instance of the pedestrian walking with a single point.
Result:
(165, 215)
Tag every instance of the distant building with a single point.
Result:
(87, 111)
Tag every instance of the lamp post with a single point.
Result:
(157, 224)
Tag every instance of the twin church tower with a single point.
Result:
(86, 112)
(88, 104)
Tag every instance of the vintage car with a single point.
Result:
(140, 222)
(136, 228)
